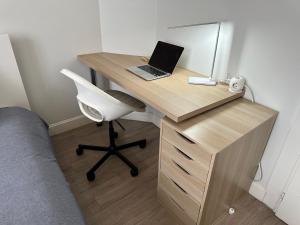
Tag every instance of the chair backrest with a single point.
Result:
(94, 103)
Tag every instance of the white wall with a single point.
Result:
(265, 50)
(47, 36)
(128, 26)
(268, 52)
(286, 163)
(288, 208)
(199, 45)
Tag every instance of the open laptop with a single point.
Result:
(161, 64)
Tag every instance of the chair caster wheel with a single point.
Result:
(79, 151)
(90, 176)
(142, 144)
(134, 172)
(116, 135)
(99, 124)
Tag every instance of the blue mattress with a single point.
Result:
(33, 190)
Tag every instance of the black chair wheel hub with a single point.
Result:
(143, 144)
(79, 151)
(134, 173)
(90, 176)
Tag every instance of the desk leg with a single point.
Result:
(94, 82)
(93, 77)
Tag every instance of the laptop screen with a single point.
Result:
(165, 56)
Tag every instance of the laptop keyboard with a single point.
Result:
(152, 70)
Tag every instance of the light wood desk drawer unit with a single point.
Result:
(189, 183)
(209, 161)
(180, 157)
(178, 199)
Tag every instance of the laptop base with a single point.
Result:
(145, 75)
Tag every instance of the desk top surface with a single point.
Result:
(224, 125)
(172, 95)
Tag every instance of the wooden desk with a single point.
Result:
(206, 163)
(172, 96)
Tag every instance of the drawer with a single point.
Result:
(190, 148)
(179, 196)
(192, 166)
(174, 208)
(193, 186)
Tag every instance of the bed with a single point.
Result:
(33, 190)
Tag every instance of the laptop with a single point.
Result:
(161, 64)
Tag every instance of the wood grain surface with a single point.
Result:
(172, 95)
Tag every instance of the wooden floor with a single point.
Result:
(250, 211)
(116, 198)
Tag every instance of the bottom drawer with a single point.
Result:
(177, 201)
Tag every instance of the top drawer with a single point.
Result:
(186, 145)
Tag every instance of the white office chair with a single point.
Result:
(99, 106)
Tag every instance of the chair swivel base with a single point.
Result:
(112, 149)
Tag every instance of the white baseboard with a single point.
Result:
(272, 198)
(257, 191)
(68, 124)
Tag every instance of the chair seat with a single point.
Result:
(127, 99)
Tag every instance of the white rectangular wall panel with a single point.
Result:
(12, 92)
(199, 44)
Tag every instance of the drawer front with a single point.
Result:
(193, 167)
(193, 186)
(180, 197)
(174, 208)
(186, 145)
